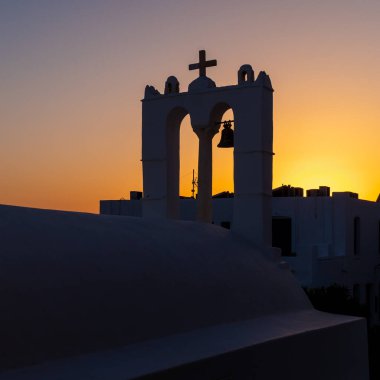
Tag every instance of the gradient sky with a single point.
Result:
(73, 72)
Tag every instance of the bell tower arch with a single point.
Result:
(252, 103)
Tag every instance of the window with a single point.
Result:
(356, 235)
(282, 235)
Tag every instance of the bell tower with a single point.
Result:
(252, 103)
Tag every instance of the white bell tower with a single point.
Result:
(252, 103)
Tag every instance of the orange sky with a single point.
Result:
(73, 74)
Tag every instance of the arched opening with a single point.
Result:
(222, 170)
(223, 159)
(245, 74)
(171, 85)
(188, 159)
(174, 122)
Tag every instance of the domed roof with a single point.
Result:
(72, 283)
(201, 83)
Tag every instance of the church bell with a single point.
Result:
(227, 139)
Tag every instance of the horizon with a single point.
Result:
(74, 74)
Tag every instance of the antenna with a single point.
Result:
(194, 182)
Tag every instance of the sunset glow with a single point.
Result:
(73, 74)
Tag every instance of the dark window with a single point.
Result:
(226, 225)
(356, 235)
(356, 293)
(282, 235)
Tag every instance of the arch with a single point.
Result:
(171, 85)
(173, 122)
(223, 160)
(217, 112)
(245, 75)
(188, 159)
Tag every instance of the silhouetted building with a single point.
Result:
(287, 191)
(323, 191)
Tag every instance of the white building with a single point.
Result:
(325, 239)
(103, 297)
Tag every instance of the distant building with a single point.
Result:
(287, 191)
(325, 239)
(332, 239)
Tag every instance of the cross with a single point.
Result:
(202, 64)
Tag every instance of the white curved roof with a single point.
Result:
(72, 283)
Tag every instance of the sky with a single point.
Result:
(73, 74)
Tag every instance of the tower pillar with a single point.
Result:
(204, 200)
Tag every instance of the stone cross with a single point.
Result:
(202, 64)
